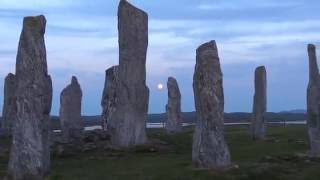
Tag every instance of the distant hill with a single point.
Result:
(295, 111)
(190, 117)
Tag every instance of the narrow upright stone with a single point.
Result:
(209, 147)
(30, 152)
(70, 112)
(173, 108)
(132, 93)
(313, 102)
(109, 96)
(258, 123)
(9, 103)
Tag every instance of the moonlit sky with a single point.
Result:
(81, 40)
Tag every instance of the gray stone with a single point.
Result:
(109, 96)
(70, 112)
(173, 108)
(130, 114)
(30, 152)
(9, 104)
(313, 102)
(209, 147)
(258, 123)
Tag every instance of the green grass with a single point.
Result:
(173, 162)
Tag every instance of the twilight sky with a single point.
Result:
(81, 40)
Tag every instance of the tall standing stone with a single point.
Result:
(258, 123)
(132, 93)
(209, 147)
(109, 96)
(30, 152)
(173, 108)
(70, 111)
(313, 102)
(9, 104)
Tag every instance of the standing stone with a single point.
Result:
(132, 93)
(30, 152)
(209, 147)
(173, 108)
(9, 104)
(109, 96)
(258, 123)
(313, 102)
(70, 112)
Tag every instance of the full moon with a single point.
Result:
(160, 86)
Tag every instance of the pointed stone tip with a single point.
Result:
(261, 69)
(10, 75)
(170, 79)
(37, 23)
(208, 45)
(74, 80)
(311, 47)
(111, 70)
(124, 4)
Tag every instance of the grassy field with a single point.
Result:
(273, 159)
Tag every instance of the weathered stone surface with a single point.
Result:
(313, 102)
(209, 147)
(258, 123)
(173, 108)
(30, 153)
(70, 111)
(9, 104)
(130, 114)
(109, 96)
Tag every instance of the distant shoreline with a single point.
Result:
(162, 125)
(190, 117)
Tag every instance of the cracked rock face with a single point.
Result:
(209, 147)
(258, 123)
(313, 102)
(9, 104)
(131, 110)
(173, 108)
(70, 112)
(30, 154)
(109, 96)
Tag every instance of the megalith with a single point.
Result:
(209, 147)
(313, 102)
(173, 108)
(130, 114)
(9, 109)
(30, 151)
(258, 122)
(109, 97)
(71, 122)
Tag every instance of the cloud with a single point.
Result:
(166, 39)
(240, 27)
(247, 4)
(81, 39)
(170, 24)
(34, 4)
(82, 25)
